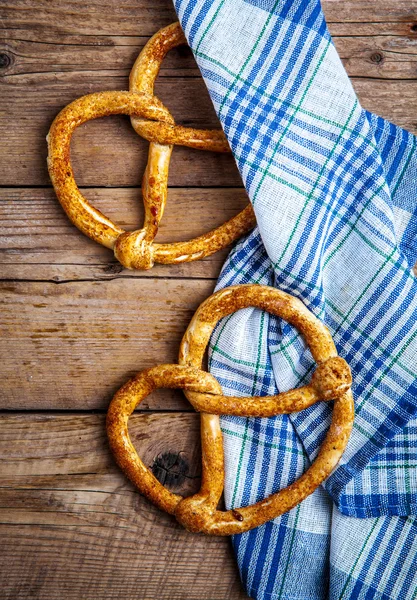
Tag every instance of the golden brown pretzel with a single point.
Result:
(153, 121)
(332, 380)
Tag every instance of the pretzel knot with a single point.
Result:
(153, 121)
(331, 381)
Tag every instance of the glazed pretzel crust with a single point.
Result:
(331, 381)
(153, 121)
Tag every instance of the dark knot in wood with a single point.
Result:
(377, 57)
(5, 60)
(171, 469)
(113, 268)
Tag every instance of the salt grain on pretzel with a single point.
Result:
(331, 381)
(153, 121)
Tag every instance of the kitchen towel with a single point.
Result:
(334, 189)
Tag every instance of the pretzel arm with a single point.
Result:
(208, 243)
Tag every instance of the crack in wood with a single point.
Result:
(171, 469)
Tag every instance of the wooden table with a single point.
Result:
(76, 326)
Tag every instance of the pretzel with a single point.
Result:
(331, 381)
(153, 121)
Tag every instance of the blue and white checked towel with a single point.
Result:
(334, 189)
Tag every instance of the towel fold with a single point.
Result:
(334, 189)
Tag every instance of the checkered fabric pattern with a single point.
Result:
(334, 189)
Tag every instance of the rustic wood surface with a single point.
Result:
(74, 527)
(76, 325)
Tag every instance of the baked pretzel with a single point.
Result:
(153, 121)
(331, 381)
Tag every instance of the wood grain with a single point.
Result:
(73, 527)
(38, 242)
(113, 56)
(379, 57)
(144, 17)
(365, 11)
(106, 152)
(72, 345)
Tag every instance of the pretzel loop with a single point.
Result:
(124, 403)
(153, 121)
(142, 79)
(331, 380)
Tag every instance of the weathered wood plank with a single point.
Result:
(37, 240)
(107, 152)
(379, 57)
(105, 17)
(73, 527)
(374, 54)
(52, 36)
(371, 29)
(71, 345)
(110, 56)
(144, 17)
(366, 11)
